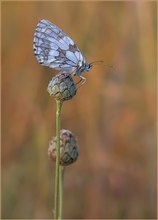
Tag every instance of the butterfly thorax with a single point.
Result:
(82, 67)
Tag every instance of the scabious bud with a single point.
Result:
(62, 87)
(69, 149)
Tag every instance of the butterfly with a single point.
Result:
(55, 49)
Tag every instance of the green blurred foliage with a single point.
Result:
(113, 114)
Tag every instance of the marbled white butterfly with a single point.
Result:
(55, 49)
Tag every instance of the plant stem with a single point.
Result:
(61, 186)
(56, 194)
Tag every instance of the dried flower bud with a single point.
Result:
(69, 149)
(62, 87)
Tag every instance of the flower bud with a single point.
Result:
(69, 149)
(62, 87)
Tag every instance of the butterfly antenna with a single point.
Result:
(97, 62)
(101, 62)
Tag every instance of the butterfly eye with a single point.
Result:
(88, 67)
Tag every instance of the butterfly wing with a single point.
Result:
(55, 49)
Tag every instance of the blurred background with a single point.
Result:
(113, 115)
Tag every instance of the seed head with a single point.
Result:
(69, 149)
(62, 87)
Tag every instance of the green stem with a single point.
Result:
(56, 194)
(61, 186)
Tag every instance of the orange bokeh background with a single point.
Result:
(113, 115)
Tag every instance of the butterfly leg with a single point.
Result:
(81, 81)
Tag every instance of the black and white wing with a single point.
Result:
(55, 49)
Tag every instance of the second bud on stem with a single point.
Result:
(69, 149)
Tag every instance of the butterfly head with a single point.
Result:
(88, 67)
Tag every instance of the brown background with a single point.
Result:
(112, 115)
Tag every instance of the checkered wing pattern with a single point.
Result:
(55, 49)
